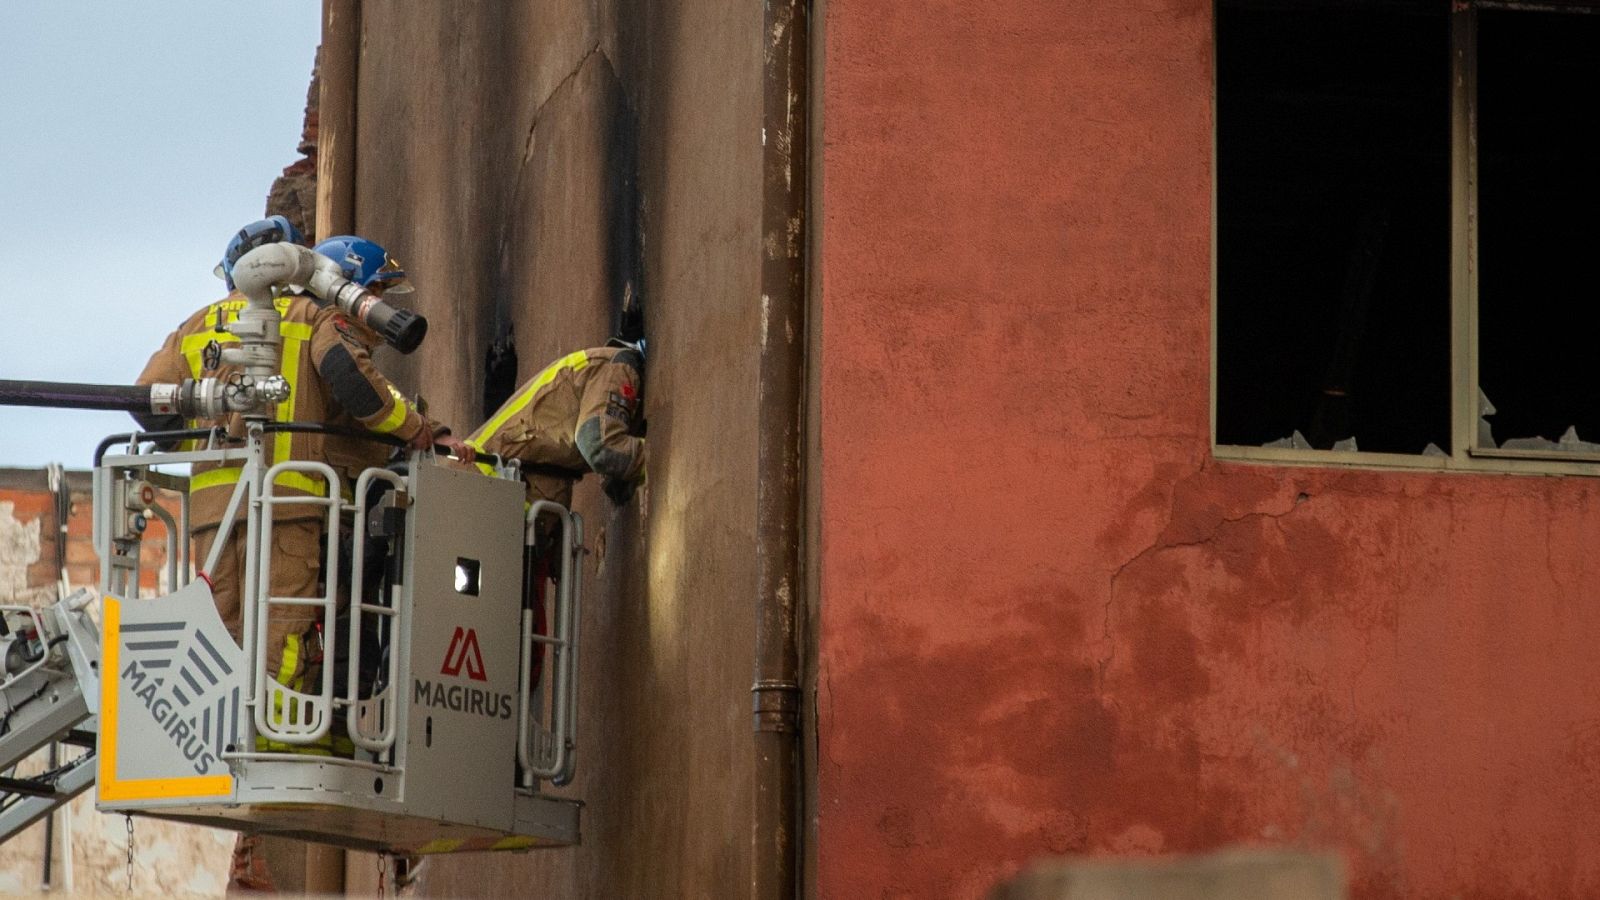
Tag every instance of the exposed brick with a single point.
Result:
(294, 193)
(83, 574)
(81, 551)
(26, 505)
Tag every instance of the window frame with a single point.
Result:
(1465, 455)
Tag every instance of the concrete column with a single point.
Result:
(336, 136)
(336, 214)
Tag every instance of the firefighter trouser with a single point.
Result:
(296, 571)
(548, 487)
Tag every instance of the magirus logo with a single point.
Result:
(464, 652)
(185, 684)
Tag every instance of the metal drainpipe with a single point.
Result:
(775, 821)
(336, 214)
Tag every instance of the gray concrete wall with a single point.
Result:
(524, 161)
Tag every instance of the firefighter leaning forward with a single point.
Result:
(327, 363)
(580, 414)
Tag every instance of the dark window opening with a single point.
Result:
(1333, 225)
(499, 374)
(1538, 187)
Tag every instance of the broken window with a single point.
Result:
(1538, 87)
(1333, 224)
(1351, 190)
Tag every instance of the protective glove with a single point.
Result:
(618, 490)
(456, 446)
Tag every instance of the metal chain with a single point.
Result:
(383, 870)
(128, 820)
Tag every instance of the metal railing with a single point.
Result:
(371, 722)
(547, 736)
(283, 713)
(115, 545)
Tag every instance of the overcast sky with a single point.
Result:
(134, 140)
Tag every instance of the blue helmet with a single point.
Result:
(271, 230)
(364, 262)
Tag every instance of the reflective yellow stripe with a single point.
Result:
(300, 481)
(214, 477)
(574, 361)
(291, 656)
(230, 475)
(295, 335)
(287, 676)
(485, 468)
(194, 345)
(286, 666)
(397, 415)
(327, 745)
(440, 845)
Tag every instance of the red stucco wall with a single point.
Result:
(1051, 623)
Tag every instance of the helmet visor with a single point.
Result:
(391, 277)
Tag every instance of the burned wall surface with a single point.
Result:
(1052, 622)
(528, 162)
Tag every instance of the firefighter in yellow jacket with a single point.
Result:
(580, 414)
(327, 362)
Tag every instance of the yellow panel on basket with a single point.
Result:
(110, 787)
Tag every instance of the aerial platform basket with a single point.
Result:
(439, 745)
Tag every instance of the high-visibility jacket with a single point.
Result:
(332, 380)
(577, 414)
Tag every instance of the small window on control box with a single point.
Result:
(467, 576)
